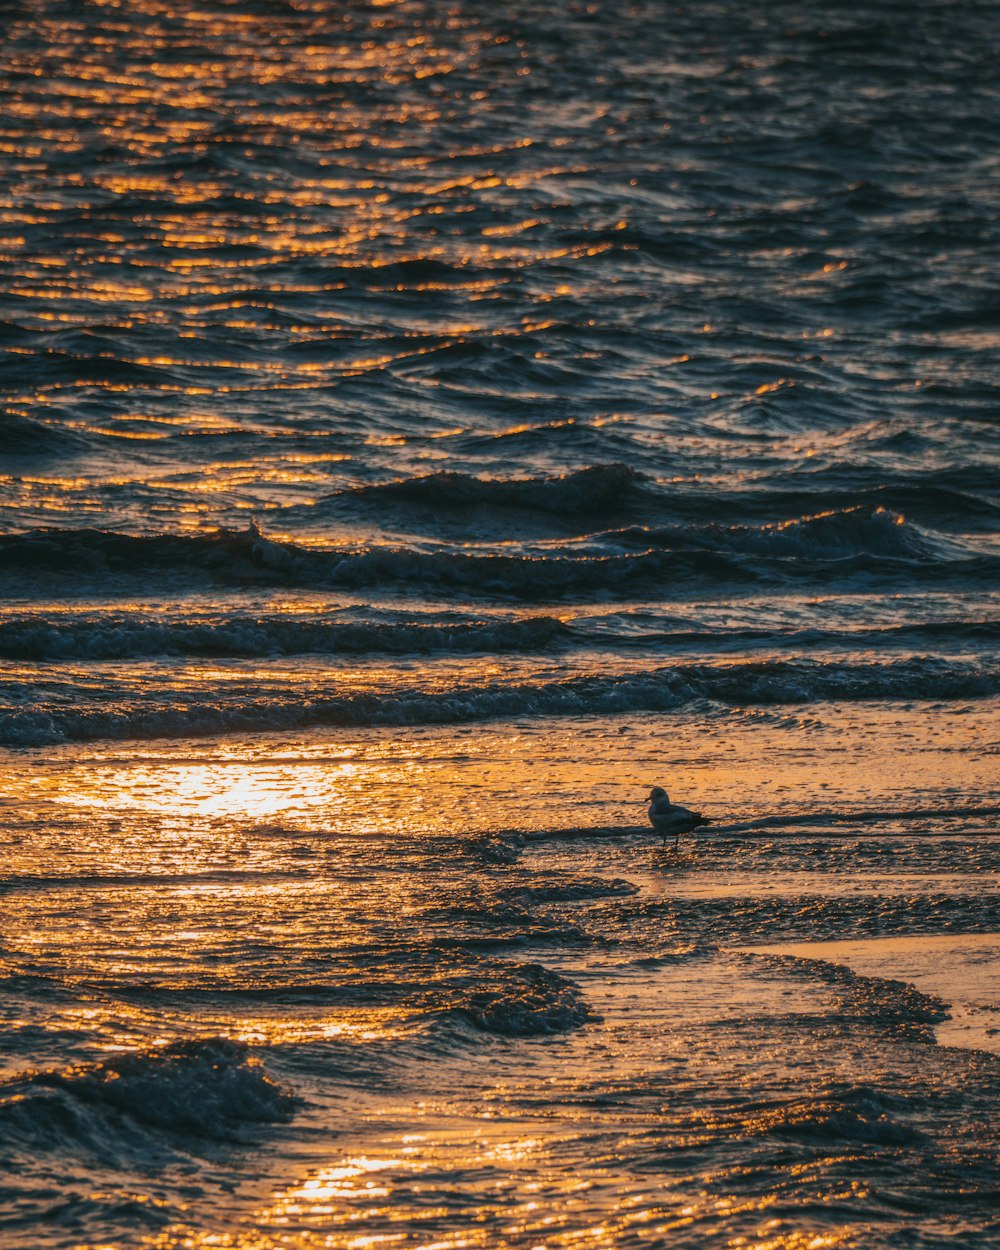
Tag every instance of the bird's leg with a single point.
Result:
(677, 839)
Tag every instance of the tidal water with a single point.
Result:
(424, 428)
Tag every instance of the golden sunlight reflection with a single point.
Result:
(352, 1180)
(483, 776)
(303, 1027)
(242, 790)
(382, 1198)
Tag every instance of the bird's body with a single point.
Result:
(670, 818)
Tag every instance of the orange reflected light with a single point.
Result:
(254, 793)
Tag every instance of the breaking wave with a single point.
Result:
(122, 635)
(205, 1088)
(853, 545)
(529, 1001)
(600, 488)
(765, 682)
(115, 636)
(831, 535)
(857, 1115)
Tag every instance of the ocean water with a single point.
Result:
(426, 427)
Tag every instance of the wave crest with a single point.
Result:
(835, 535)
(118, 636)
(764, 682)
(843, 1113)
(202, 1088)
(581, 493)
(852, 546)
(531, 1002)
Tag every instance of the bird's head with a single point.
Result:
(658, 792)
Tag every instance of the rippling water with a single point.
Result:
(426, 427)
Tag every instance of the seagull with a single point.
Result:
(667, 817)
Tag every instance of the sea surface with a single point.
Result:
(424, 428)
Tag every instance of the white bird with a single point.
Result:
(667, 817)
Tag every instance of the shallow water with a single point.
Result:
(426, 428)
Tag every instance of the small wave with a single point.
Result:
(634, 562)
(204, 1088)
(834, 535)
(824, 819)
(842, 1113)
(814, 918)
(75, 552)
(583, 493)
(496, 923)
(897, 1005)
(71, 368)
(118, 636)
(34, 985)
(100, 881)
(533, 436)
(923, 634)
(569, 891)
(495, 848)
(941, 501)
(529, 1002)
(764, 682)
(506, 846)
(659, 566)
(23, 436)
